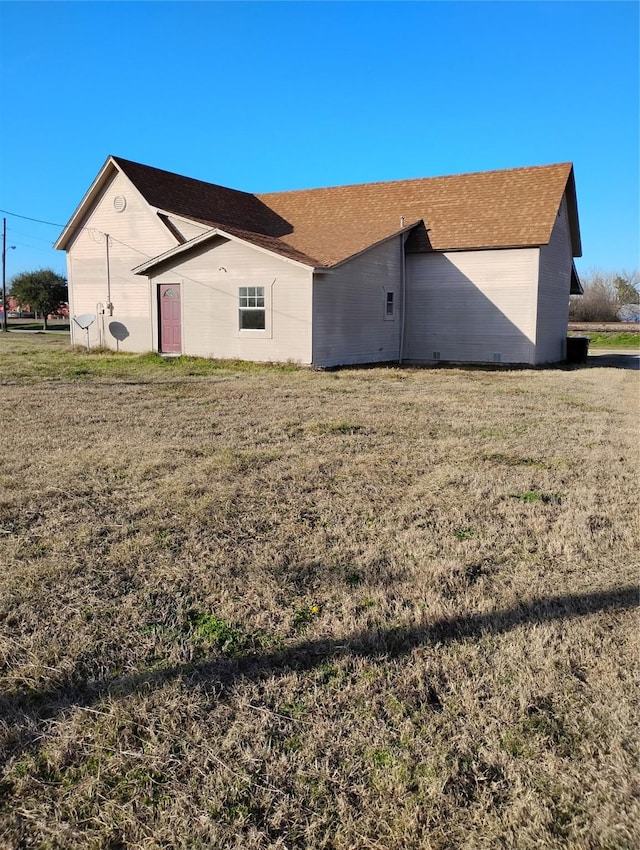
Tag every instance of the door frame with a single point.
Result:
(159, 302)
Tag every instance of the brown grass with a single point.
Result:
(251, 607)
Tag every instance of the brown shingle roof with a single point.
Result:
(490, 209)
(204, 202)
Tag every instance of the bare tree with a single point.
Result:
(604, 295)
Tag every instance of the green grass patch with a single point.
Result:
(220, 634)
(303, 617)
(613, 340)
(464, 533)
(35, 357)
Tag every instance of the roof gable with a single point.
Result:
(109, 173)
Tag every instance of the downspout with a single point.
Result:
(403, 289)
(109, 304)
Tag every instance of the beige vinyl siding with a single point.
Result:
(472, 306)
(554, 285)
(137, 225)
(349, 322)
(210, 283)
(187, 229)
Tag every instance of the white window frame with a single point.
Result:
(249, 298)
(389, 316)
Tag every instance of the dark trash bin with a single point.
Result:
(577, 349)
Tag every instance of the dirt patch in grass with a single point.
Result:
(245, 606)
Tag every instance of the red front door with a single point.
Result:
(170, 319)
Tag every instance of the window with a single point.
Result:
(388, 305)
(252, 308)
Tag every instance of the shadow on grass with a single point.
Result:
(614, 360)
(25, 710)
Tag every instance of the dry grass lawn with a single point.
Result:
(251, 607)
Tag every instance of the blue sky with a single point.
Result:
(273, 96)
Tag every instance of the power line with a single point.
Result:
(88, 229)
(28, 218)
(32, 247)
(12, 230)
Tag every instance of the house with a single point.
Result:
(470, 268)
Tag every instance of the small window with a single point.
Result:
(252, 313)
(389, 303)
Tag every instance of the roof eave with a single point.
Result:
(576, 284)
(574, 222)
(202, 238)
(507, 247)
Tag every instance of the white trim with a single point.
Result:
(387, 291)
(158, 299)
(265, 333)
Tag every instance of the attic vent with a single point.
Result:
(119, 203)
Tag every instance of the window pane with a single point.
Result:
(251, 303)
(251, 320)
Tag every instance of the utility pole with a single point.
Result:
(4, 278)
(4, 275)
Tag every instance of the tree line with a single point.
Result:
(608, 297)
(42, 291)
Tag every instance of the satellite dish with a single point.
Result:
(85, 321)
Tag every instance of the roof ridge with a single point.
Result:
(519, 168)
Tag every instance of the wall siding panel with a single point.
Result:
(188, 229)
(210, 282)
(87, 267)
(472, 306)
(554, 285)
(349, 323)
